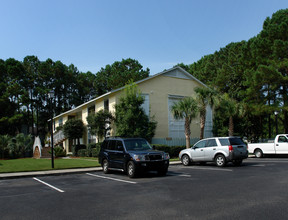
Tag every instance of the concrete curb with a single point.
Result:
(56, 172)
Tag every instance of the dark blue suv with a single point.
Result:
(132, 155)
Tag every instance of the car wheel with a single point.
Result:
(220, 160)
(258, 153)
(237, 162)
(105, 166)
(131, 169)
(185, 160)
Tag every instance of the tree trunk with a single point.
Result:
(202, 125)
(285, 121)
(231, 126)
(187, 132)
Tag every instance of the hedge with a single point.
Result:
(92, 150)
(173, 151)
(76, 148)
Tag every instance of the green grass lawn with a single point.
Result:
(30, 164)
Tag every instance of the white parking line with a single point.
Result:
(47, 184)
(109, 178)
(185, 175)
(207, 168)
(179, 174)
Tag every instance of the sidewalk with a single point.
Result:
(56, 172)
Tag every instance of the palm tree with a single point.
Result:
(232, 109)
(20, 146)
(186, 108)
(205, 96)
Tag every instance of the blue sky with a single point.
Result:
(158, 33)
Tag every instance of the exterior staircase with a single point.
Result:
(58, 137)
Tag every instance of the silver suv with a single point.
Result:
(221, 150)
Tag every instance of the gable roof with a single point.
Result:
(176, 72)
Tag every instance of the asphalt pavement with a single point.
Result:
(255, 190)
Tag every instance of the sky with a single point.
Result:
(158, 33)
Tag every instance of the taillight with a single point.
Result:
(230, 148)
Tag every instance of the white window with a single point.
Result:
(146, 105)
(176, 126)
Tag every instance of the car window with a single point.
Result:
(119, 145)
(137, 144)
(105, 145)
(200, 144)
(112, 145)
(236, 141)
(224, 141)
(282, 139)
(211, 143)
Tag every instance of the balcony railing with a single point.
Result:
(58, 137)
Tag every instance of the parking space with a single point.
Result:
(255, 190)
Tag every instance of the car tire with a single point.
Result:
(258, 153)
(185, 160)
(105, 166)
(131, 169)
(237, 162)
(220, 160)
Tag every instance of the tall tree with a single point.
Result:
(205, 97)
(73, 129)
(99, 123)
(130, 117)
(231, 109)
(119, 74)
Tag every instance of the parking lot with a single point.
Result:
(256, 190)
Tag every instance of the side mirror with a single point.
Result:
(154, 147)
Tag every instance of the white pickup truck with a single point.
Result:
(279, 146)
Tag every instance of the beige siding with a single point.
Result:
(159, 90)
(84, 115)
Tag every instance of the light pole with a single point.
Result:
(276, 121)
(51, 96)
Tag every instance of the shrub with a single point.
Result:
(82, 153)
(59, 152)
(173, 151)
(89, 150)
(96, 149)
(76, 148)
(95, 152)
(20, 146)
(4, 142)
